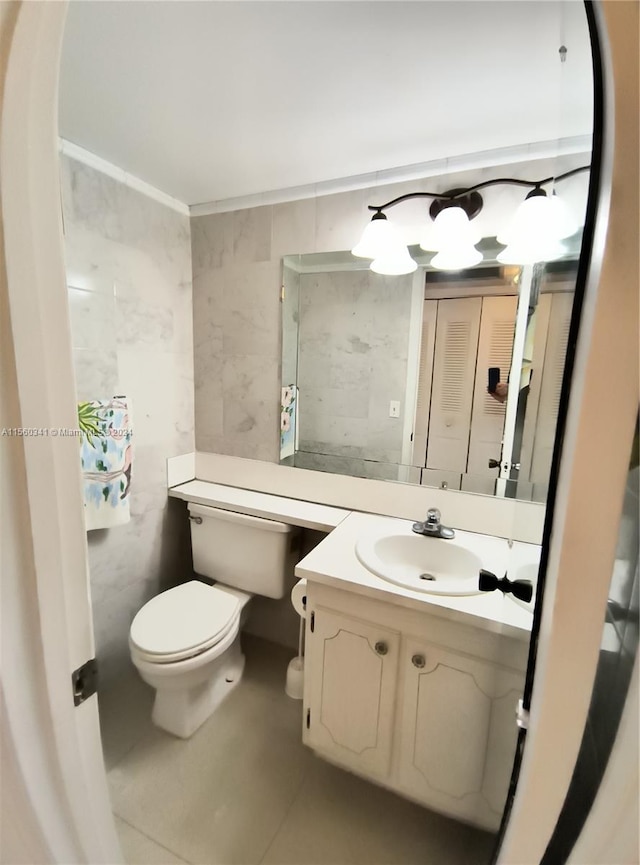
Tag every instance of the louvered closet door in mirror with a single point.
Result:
(454, 367)
(495, 346)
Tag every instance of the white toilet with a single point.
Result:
(185, 642)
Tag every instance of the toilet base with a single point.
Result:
(181, 709)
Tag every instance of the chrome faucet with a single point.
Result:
(432, 527)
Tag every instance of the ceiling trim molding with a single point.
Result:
(419, 171)
(74, 151)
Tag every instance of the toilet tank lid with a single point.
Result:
(183, 618)
(208, 512)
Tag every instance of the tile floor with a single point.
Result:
(244, 790)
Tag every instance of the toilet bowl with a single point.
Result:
(185, 642)
(192, 667)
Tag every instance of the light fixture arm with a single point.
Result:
(460, 193)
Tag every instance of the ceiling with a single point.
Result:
(213, 100)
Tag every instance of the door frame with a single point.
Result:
(58, 780)
(66, 793)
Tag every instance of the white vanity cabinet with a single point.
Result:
(351, 672)
(412, 701)
(458, 732)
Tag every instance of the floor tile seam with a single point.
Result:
(124, 756)
(294, 799)
(116, 765)
(154, 840)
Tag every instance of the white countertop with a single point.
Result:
(293, 511)
(334, 563)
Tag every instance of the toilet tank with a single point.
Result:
(242, 551)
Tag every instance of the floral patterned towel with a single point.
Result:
(288, 409)
(106, 453)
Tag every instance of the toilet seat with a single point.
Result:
(184, 622)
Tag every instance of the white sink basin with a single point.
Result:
(423, 564)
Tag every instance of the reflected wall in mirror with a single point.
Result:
(389, 377)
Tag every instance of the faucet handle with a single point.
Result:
(522, 589)
(433, 515)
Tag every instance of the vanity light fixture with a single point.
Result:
(394, 265)
(535, 233)
(382, 242)
(538, 226)
(454, 236)
(379, 238)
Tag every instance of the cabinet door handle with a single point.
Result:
(418, 661)
(381, 647)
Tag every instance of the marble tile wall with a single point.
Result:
(236, 327)
(356, 468)
(129, 276)
(353, 354)
(238, 336)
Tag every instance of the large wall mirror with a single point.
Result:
(441, 378)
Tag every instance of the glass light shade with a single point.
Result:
(452, 229)
(429, 238)
(394, 265)
(456, 259)
(454, 238)
(541, 218)
(379, 239)
(563, 220)
(530, 253)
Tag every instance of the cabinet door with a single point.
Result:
(350, 690)
(458, 732)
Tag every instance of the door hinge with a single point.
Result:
(308, 718)
(522, 716)
(84, 681)
(312, 622)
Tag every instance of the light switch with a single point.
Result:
(394, 408)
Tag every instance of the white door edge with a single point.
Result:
(593, 471)
(513, 394)
(45, 586)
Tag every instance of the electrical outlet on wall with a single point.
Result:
(394, 408)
